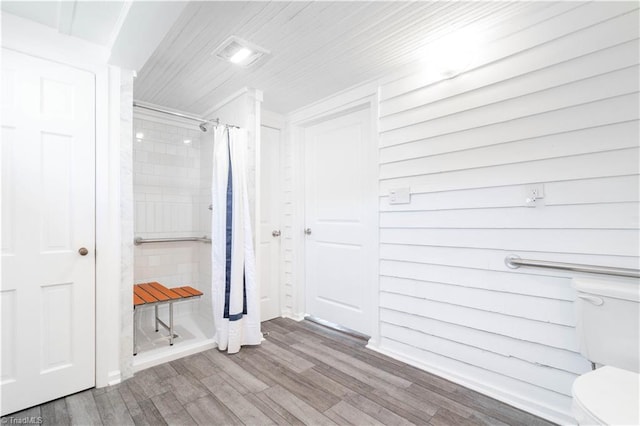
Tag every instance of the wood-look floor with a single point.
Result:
(302, 374)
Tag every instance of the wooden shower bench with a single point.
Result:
(156, 294)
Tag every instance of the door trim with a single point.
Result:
(270, 122)
(297, 140)
(276, 121)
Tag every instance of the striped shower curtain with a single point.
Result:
(236, 308)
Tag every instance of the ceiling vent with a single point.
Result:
(240, 52)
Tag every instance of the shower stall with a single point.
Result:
(172, 179)
(171, 183)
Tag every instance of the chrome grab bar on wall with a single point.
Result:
(515, 262)
(139, 240)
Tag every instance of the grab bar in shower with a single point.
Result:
(139, 240)
(514, 262)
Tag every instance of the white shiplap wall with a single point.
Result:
(288, 213)
(555, 106)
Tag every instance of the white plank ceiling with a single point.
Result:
(317, 48)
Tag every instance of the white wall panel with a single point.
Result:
(553, 77)
(554, 335)
(532, 149)
(503, 345)
(542, 376)
(507, 303)
(287, 234)
(610, 85)
(608, 111)
(587, 166)
(618, 189)
(553, 103)
(594, 42)
(615, 242)
(558, 109)
(493, 260)
(520, 392)
(465, 275)
(609, 215)
(602, 190)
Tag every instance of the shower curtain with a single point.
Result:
(236, 306)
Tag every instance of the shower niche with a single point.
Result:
(171, 195)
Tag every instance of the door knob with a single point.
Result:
(276, 233)
(307, 231)
(83, 251)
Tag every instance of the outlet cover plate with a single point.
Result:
(400, 196)
(533, 194)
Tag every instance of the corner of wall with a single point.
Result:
(294, 316)
(126, 225)
(114, 378)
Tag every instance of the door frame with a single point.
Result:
(277, 122)
(362, 97)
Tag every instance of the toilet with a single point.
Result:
(608, 324)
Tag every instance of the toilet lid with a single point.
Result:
(610, 395)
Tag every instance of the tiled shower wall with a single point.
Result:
(169, 203)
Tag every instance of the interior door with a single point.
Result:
(48, 231)
(270, 223)
(340, 209)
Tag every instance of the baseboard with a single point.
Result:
(113, 378)
(546, 412)
(295, 317)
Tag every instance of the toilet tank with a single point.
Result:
(608, 321)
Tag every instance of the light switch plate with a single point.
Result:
(400, 196)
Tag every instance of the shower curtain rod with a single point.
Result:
(189, 117)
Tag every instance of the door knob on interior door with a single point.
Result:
(276, 233)
(307, 231)
(83, 251)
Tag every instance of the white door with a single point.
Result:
(48, 211)
(269, 223)
(340, 220)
